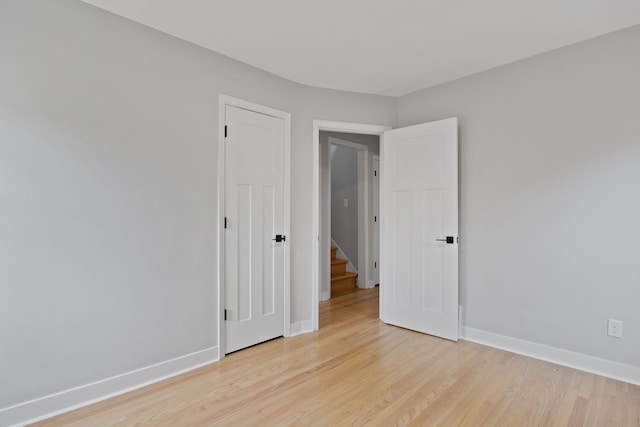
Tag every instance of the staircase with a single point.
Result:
(342, 282)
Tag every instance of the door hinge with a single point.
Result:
(225, 131)
(375, 219)
(225, 314)
(225, 222)
(375, 265)
(375, 173)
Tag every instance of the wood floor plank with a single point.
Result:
(358, 371)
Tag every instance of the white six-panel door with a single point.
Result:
(419, 210)
(254, 214)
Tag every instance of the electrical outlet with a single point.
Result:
(615, 328)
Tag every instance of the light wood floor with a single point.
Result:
(358, 371)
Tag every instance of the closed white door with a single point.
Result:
(254, 217)
(420, 228)
(375, 276)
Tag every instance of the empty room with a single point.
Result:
(319, 213)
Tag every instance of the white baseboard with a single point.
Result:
(303, 327)
(324, 296)
(583, 362)
(58, 403)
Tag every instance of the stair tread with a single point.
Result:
(343, 276)
(339, 261)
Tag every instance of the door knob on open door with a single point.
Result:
(449, 240)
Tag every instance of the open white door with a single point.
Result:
(254, 225)
(420, 228)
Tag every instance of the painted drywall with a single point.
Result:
(108, 176)
(550, 200)
(344, 187)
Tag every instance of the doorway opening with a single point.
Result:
(345, 157)
(346, 212)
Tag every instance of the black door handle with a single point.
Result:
(280, 238)
(449, 240)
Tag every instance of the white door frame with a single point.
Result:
(375, 191)
(223, 102)
(329, 126)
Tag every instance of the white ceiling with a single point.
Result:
(387, 47)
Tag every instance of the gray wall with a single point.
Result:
(550, 196)
(344, 185)
(108, 140)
